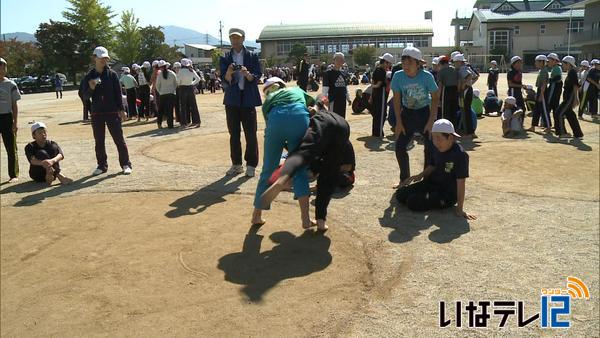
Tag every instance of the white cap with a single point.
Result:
(186, 62)
(412, 52)
(494, 62)
(435, 60)
(459, 57)
(135, 66)
(237, 31)
(155, 63)
(511, 100)
(515, 59)
(163, 63)
(491, 93)
(553, 56)
(476, 92)
(338, 54)
(2, 61)
(176, 64)
(387, 57)
(126, 70)
(570, 60)
(37, 126)
(444, 126)
(530, 87)
(146, 64)
(585, 63)
(271, 81)
(595, 62)
(453, 54)
(101, 52)
(541, 58)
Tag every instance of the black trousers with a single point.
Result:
(450, 104)
(540, 110)
(339, 107)
(131, 106)
(189, 107)
(112, 121)
(87, 108)
(10, 144)
(379, 114)
(166, 103)
(414, 121)
(238, 118)
(553, 97)
(144, 94)
(590, 100)
(37, 172)
(565, 110)
(467, 96)
(424, 195)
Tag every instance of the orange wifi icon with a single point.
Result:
(577, 288)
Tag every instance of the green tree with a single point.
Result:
(327, 58)
(364, 55)
(152, 42)
(129, 40)
(216, 57)
(64, 47)
(296, 53)
(24, 58)
(94, 19)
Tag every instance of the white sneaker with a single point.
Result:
(250, 171)
(126, 170)
(98, 171)
(235, 169)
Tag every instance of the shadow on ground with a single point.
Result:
(291, 257)
(409, 224)
(200, 200)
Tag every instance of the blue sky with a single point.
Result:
(252, 15)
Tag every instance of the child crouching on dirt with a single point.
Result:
(511, 118)
(43, 156)
(442, 183)
(492, 104)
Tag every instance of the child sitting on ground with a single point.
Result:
(477, 104)
(511, 118)
(43, 156)
(530, 98)
(442, 183)
(492, 104)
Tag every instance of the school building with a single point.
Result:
(524, 27)
(277, 40)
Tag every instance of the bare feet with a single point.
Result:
(257, 218)
(532, 129)
(321, 225)
(311, 223)
(64, 179)
(50, 178)
(271, 193)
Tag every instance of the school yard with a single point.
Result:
(167, 251)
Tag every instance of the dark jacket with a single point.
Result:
(106, 98)
(233, 95)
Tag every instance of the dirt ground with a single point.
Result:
(168, 251)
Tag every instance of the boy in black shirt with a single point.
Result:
(380, 95)
(442, 183)
(335, 86)
(492, 80)
(43, 156)
(515, 81)
(570, 100)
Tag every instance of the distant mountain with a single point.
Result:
(20, 36)
(179, 35)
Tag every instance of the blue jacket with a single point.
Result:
(233, 97)
(106, 98)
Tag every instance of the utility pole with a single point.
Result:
(221, 33)
(570, 28)
(206, 37)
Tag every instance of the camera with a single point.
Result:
(236, 66)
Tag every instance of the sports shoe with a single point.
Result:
(126, 170)
(250, 171)
(98, 171)
(235, 169)
(13, 180)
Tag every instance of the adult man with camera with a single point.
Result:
(240, 72)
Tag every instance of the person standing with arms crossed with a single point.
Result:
(416, 99)
(240, 72)
(103, 87)
(9, 112)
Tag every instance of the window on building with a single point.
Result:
(517, 30)
(542, 29)
(576, 27)
(556, 5)
(499, 40)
